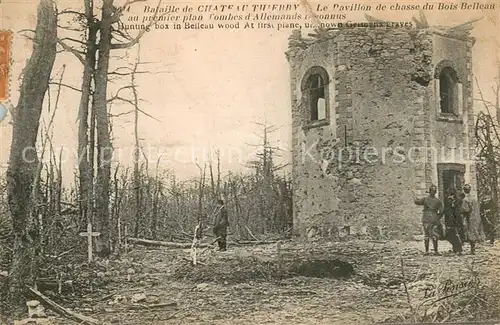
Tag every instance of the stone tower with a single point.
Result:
(379, 114)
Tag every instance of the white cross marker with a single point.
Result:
(89, 234)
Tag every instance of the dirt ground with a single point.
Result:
(355, 282)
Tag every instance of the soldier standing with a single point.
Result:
(453, 220)
(472, 220)
(431, 218)
(221, 222)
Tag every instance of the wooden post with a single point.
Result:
(119, 232)
(194, 245)
(126, 238)
(40, 224)
(89, 234)
(59, 282)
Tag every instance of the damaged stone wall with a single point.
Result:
(362, 167)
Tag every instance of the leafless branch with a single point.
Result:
(484, 101)
(27, 30)
(121, 114)
(135, 40)
(123, 33)
(70, 12)
(73, 40)
(129, 44)
(70, 28)
(114, 98)
(66, 86)
(117, 95)
(148, 115)
(118, 71)
(123, 68)
(114, 73)
(72, 50)
(123, 57)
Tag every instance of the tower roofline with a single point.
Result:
(297, 41)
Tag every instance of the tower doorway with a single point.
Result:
(450, 176)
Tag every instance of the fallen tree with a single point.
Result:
(82, 319)
(156, 243)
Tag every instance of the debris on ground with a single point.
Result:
(359, 281)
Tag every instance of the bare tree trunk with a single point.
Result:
(493, 167)
(137, 192)
(23, 159)
(92, 162)
(59, 186)
(154, 222)
(218, 173)
(105, 150)
(119, 197)
(84, 159)
(201, 189)
(137, 148)
(212, 180)
(115, 218)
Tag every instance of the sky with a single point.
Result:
(206, 89)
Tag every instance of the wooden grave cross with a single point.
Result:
(89, 234)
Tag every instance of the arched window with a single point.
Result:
(448, 91)
(315, 92)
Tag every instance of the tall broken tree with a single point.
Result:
(101, 36)
(85, 146)
(23, 160)
(104, 147)
(107, 34)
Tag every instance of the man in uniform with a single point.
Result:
(431, 218)
(221, 222)
(472, 220)
(453, 220)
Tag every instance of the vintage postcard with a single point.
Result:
(249, 162)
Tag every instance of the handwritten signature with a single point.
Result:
(450, 288)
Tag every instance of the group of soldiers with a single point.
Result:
(464, 220)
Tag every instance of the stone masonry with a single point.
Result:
(385, 139)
